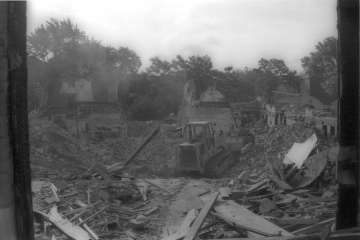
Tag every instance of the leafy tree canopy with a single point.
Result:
(198, 69)
(62, 52)
(275, 66)
(324, 61)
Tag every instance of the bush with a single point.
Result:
(146, 109)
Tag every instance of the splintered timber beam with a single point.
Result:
(310, 237)
(201, 217)
(315, 227)
(139, 148)
(155, 185)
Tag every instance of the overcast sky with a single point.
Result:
(234, 33)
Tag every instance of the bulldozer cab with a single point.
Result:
(199, 132)
(199, 143)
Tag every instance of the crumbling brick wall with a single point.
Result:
(99, 120)
(220, 117)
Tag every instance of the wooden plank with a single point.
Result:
(296, 221)
(242, 216)
(184, 228)
(189, 218)
(251, 231)
(99, 181)
(315, 227)
(310, 237)
(257, 185)
(156, 185)
(203, 193)
(286, 201)
(312, 200)
(293, 196)
(259, 197)
(257, 191)
(345, 236)
(279, 182)
(201, 217)
(325, 233)
(297, 212)
(143, 144)
(300, 192)
(347, 230)
(150, 211)
(66, 226)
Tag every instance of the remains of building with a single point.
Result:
(281, 183)
(78, 110)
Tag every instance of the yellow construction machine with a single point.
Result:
(212, 138)
(206, 151)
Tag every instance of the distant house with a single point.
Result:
(76, 107)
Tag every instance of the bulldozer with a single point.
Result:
(213, 141)
(207, 151)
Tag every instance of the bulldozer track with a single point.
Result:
(218, 164)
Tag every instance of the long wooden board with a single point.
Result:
(184, 228)
(310, 237)
(314, 227)
(296, 221)
(201, 217)
(143, 144)
(255, 186)
(244, 217)
(311, 200)
(279, 182)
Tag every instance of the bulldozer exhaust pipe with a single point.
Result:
(190, 135)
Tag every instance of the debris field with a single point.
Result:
(83, 190)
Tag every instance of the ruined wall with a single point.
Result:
(97, 120)
(113, 91)
(83, 91)
(220, 117)
(211, 95)
(81, 88)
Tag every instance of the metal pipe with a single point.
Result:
(190, 134)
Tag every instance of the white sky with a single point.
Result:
(234, 33)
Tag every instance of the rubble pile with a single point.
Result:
(155, 159)
(139, 129)
(101, 202)
(277, 141)
(273, 144)
(282, 187)
(54, 149)
(158, 156)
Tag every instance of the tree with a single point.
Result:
(270, 74)
(198, 69)
(258, 80)
(121, 65)
(36, 81)
(167, 80)
(67, 52)
(233, 85)
(274, 66)
(324, 61)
